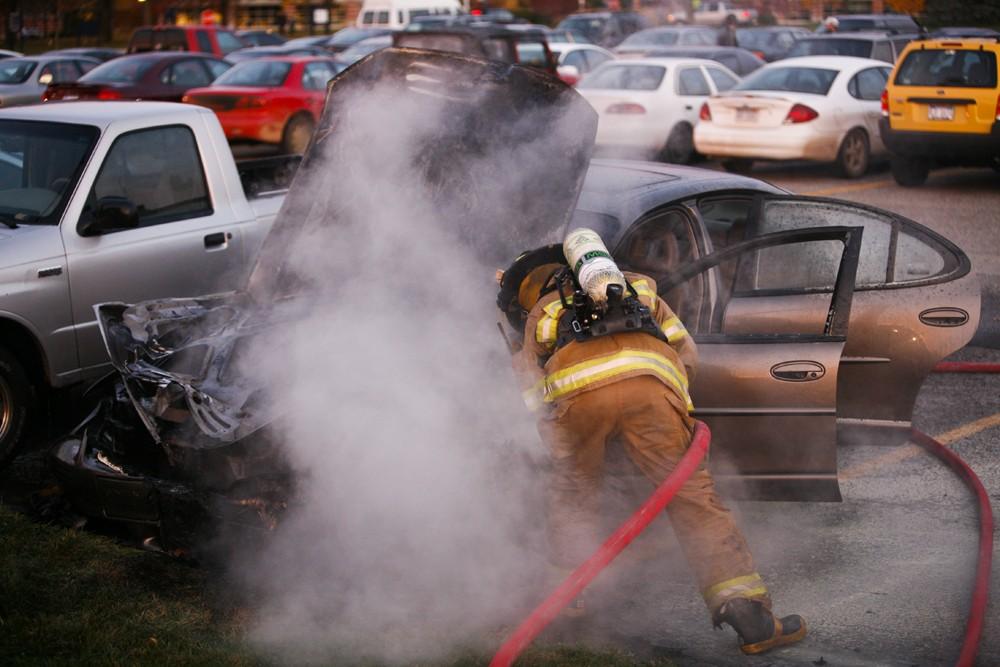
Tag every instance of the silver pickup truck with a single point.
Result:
(99, 201)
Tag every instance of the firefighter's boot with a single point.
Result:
(757, 627)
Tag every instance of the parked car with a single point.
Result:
(254, 52)
(716, 13)
(726, 252)
(890, 23)
(740, 61)
(770, 43)
(312, 40)
(570, 36)
(346, 37)
(494, 42)
(100, 202)
(97, 53)
(606, 29)
(275, 101)
(942, 106)
(198, 38)
(260, 38)
(396, 14)
(650, 106)
(24, 80)
(640, 43)
(4, 53)
(359, 50)
(576, 60)
(162, 76)
(823, 108)
(879, 46)
(958, 31)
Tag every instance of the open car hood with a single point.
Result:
(179, 358)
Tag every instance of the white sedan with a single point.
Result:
(824, 108)
(650, 105)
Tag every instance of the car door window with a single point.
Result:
(316, 75)
(787, 214)
(576, 59)
(784, 40)
(731, 61)
(883, 51)
(216, 68)
(919, 258)
(186, 74)
(85, 65)
(59, 71)
(867, 84)
(722, 79)
(159, 171)
(594, 58)
(690, 81)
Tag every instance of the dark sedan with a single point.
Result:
(770, 43)
(97, 53)
(740, 61)
(163, 76)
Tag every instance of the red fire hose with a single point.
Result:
(614, 545)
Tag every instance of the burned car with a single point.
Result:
(815, 319)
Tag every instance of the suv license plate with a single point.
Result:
(940, 112)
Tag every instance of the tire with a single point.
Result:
(909, 172)
(297, 134)
(679, 148)
(738, 165)
(16, 399)
(854, 155)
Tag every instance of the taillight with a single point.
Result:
(626, 108)
(705, 113)
(250, 102)
(998, 108)
(885, 103)
(108, 94)
(800, 113)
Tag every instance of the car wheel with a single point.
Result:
(854, 155)
(738, 166)
(679, 148)
(297, 134)
(909, 172)
(16, 392)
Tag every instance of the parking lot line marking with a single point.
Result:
(909, 451)
(843, 189)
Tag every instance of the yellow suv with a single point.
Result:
(941, 106)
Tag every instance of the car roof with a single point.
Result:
(664, 60)
(860, 35)
(168, 55)
(625, 189)
(198, 26)
(294, 58)
(46, 57)
(101, 114)
(833, 62)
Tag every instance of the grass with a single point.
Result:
(71, 597)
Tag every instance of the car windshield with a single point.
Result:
(348, 36)
(40, 163)
(366, 46)
(266, 73)
(16, 70)
(590, 26)
(651, 38)
(948, 67)
(120, 70)
(792, 79)
(625, 77)
(859, 48)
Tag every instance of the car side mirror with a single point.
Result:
(569, 73)
(112, 214)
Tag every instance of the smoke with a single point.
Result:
(417, 526)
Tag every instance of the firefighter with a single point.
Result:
(604, 358)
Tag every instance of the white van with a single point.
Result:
(399, 13)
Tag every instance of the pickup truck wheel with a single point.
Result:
(16, 392)
(679, 148)
(854, 154)
(909, 172)
(738, 166)
(297, 134)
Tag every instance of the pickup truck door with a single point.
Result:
(770, 397)
(185, 238)
(916, 303)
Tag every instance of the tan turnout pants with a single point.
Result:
(656, 430)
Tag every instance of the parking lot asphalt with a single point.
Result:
(884, 577)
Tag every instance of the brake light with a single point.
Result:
(885, 102)
(998, 108)
(630, 108)
(108, 94)
(249, 102)
(800, 113)
(705, 113)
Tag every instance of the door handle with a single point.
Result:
(798, 371)
(944, 317)
(688, 107)
(216, 240)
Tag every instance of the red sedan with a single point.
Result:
(269, 100)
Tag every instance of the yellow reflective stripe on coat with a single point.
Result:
(642, 289)
(749, 586)
(534, 397)
(547, 329)
(673, 329)
(583, 374)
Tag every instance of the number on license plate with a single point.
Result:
(746, 115)
(940, 112)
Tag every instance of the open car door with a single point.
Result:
(770, 397)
